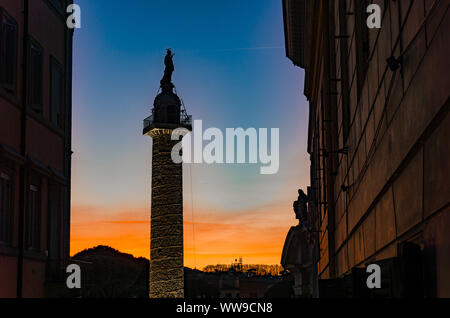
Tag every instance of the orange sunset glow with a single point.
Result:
(241, 80)
(255, 235)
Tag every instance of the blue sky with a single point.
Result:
(230, 71)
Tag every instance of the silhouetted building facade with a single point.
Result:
(378, 142)
(35, 145)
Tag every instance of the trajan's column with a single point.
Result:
(166, 247)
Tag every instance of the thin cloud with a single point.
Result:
(237, 49)
(256, 48)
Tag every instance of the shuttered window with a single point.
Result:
(35, 77)
(56, 91)
(54, 227)
(33, 218)
(8, 51)
(5, 209)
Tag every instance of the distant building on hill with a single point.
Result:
(256, 269)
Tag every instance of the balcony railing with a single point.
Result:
(148, 121)
(185, 120)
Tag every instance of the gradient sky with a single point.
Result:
(230, 71)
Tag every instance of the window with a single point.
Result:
(5, 209)
(35, 76)
(33, 218)
(56, 93)
(172, 114)
(8, 51)
(54, 229)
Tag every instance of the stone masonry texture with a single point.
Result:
(166, 247)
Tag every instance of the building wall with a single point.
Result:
(378, 138)
(36, 150)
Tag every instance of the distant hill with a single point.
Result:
(108, 273)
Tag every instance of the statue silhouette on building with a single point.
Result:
(300, 207)
(166, 81)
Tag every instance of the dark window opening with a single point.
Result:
(172, 114)
(6, 213)
(8, 51)
(33, 218)
(35, 77)
(56, 94)
(55, 213)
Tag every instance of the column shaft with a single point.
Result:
(166, 247)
